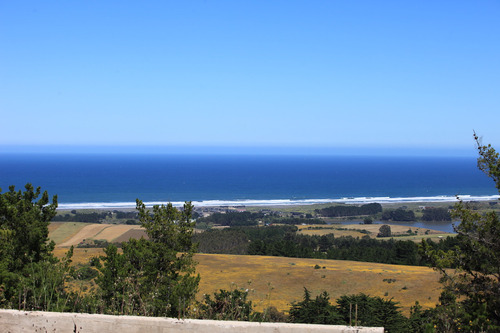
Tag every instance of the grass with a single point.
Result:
(274, 281)
(67, 235)
(279, 281)
(62, 231)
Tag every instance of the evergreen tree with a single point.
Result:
(476, 279)
(153, 277)
(226, 305)
(31, 278)
(315, 311)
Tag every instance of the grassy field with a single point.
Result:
(59, 232)
(72, 233)
(280, 281)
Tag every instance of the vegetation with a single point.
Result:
(285, 242)
(82, 217)
(232, 218)
(436, 214)
(156, 276)
(228, 241)
(31, 277)
(226, 305)
(239, 219)
(350, 210)
(399, 214)
(471, 299)
(153, 277)
(384, 231)
(98, 217)
(357, 310)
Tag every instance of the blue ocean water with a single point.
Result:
(85, 180)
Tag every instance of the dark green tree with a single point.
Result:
(364, 310)
(368, 220)
(384, 231)
(31, 277)
(436, 214)
(154, 276)
(226, 305)
(471, 299)
(315, 311)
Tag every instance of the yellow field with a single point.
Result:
(280, 281)
(108, 232)
(61, 231)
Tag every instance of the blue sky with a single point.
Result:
(330, 76)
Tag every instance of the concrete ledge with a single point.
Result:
(13, 321)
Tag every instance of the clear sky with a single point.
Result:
(413, 76)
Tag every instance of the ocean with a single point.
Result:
(115, 181)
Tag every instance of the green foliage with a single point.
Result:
(350, 210)
(293, 220)
(82, 217)
(357, 310)
(25, 222)
(315, 311)
(226, 305)
(227, 241)
(153, 277)
(436, 214)
(476, 279)
(384, 231)
(233, 218)
(421, 321)
(364, 310)
(42, 285)
(284, 241)
(399, 214)
(30, 276)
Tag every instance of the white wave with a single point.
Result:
(279, 202)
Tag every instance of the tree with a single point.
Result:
(155, 276)
(315, 311)
(384, 231)
(472, 290)
(399, 214)
(364, 310)
(368, 220)
(30, 276)
(358, 310)
(226, 305)
(436, 214)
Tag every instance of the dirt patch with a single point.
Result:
(113, 232)
(60, 232)
(132, 233)
(88, 231)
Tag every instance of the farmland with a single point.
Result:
(275, 281)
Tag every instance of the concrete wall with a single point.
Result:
(13, 321)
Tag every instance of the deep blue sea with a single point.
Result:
(117, 180)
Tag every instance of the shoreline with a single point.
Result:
(283, 202)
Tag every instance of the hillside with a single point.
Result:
(277, 281)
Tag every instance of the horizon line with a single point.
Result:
(153, 149)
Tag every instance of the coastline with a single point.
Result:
(284, 202)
